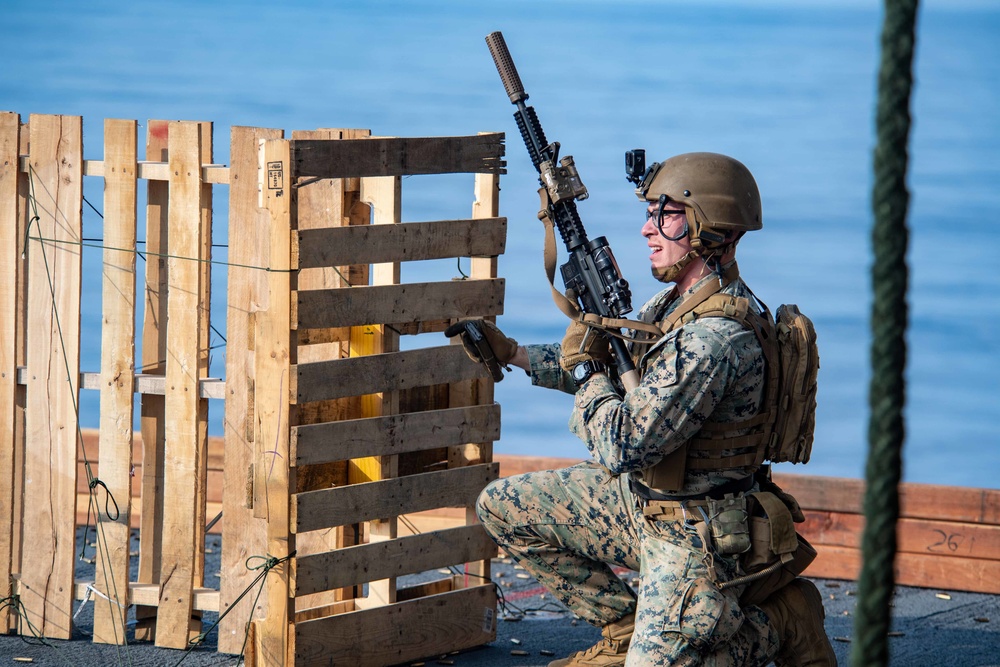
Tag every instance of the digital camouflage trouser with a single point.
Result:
(568, 527)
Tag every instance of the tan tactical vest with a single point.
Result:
(730, 445)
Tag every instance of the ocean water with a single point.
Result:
(786, 88)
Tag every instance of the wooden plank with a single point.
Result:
(274, 353)
(21, 353)
(480, 390)
(117, 370)
(153, 363)
(204, 599)
(345, 207)
(10, 243)
(204, 359)
(320, 611)
(394, 434)
(152, 171)
(410, 241)
(383, 195)
(415, 328)
(156, 384)
(390, 304)
(918, 536)
(392, 558)
(383, 372)
(432, 587)
(428, 626)
(920, 570)
(160, 171)
(181, 465)
(323, 203)
(486, 205)
(54, 278)
(243, 535)
(319, 205)
(354, 503)
(395, 156)
(917, 501)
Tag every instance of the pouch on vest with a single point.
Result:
(728, 522)
(777, 552)
(760, 589)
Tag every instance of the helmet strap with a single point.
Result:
(669, 274)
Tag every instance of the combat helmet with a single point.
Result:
(719, 194)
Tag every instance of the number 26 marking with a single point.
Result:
(950, 541)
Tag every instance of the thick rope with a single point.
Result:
(890, 199)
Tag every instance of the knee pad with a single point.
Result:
(701, 614)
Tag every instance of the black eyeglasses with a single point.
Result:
(664, 213)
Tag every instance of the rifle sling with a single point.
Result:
(568, 306)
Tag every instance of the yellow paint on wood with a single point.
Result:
(366, 340)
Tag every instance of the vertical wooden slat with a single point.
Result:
(181, 464)
(117, 379)
(322, 203)
(383, 194)
(54, 275)
(204, 358)
(10, 128)
(356, 212)
(273, 356)
(21, 354)
(154, 350)
(478, 392)
(242, 535)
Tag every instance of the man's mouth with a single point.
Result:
(653, 249)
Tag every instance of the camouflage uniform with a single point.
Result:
(569, 527)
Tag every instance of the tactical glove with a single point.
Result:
(582, 343)
(485, 343)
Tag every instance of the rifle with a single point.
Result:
(591, 272)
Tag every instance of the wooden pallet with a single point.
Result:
(316, 310)
(343, 415)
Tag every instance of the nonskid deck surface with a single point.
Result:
(533, 629)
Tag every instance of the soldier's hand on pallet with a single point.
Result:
(485, 343)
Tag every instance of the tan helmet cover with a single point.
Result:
(720, 192)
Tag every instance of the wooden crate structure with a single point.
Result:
(320, 480)
(330, 428)
(41, 204)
